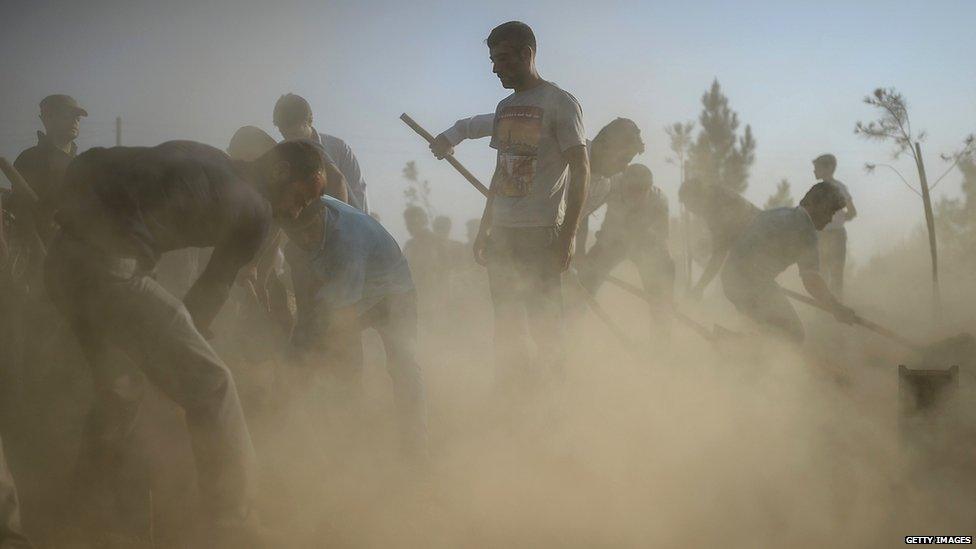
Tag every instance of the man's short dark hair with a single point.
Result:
(415, 212)
(624, 131)
(304, 157)
(828, 160)
(516, 33)
(641, 173)
(291, 109)
(824, 195)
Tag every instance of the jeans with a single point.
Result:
(111, 305)
(11, 537)
(524, 277)
(833, 258)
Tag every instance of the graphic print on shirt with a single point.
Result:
(518, 131)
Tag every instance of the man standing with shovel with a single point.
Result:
(534, 206)
(777, 239)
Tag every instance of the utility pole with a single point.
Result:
(118, 131)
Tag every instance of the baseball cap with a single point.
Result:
(61, 103)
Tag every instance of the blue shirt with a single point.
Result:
(357, 262)
(776, 239)
(342, 156)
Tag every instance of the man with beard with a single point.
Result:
(120, 209)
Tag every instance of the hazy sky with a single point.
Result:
(795, 71)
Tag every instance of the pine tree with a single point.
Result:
(782, 198)
(418, 191)
(719, 155)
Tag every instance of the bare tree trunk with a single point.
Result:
(685, 229)
(930, 225)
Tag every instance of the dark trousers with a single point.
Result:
(833, 259)
(525, 282)
(112, 306)
(11, 537)
(655, 267)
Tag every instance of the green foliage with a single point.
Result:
(720, 155)
(782, 198)
(893, 124)
(680, 138)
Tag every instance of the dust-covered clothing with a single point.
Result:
(644, 224)
(766, 304)
(639, 232)
(524, 277)
(345, 160)
(358, 264)
(777, 239)
(121, 208)
(532, 131)
(727, 215)
(11, 536)
(140, 202)
(113, 304)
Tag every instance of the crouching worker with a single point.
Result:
(121, 208)
(777, 239)
(635, 228)
(349, 274)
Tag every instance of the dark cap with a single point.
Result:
(61, 103)
(291, 108)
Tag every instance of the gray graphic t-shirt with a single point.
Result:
(531, 132)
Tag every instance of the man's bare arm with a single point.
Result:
(817, 288)
(579, 178)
